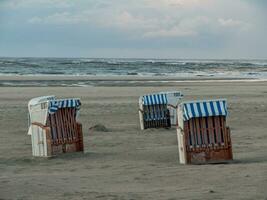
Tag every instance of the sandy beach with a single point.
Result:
(125, 162)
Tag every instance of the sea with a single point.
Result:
(113, 67)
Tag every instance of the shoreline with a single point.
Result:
(112, 81)
(122, 78)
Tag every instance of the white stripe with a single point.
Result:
(185, 112)
(189, 112)
(209, 109)
(154, 102)
(151, 102)
(215, 108)
(148, 100)
(73, 102)
(165, 97)
(144, 99)
(202, 109)
(155, 97)
(222, 108)
(195, 109)
(161, 99)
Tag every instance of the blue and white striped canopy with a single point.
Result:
(204, 108)
(155, 99)
(54, 105)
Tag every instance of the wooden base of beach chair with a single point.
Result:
(157, 124)
(61, 134)
(205, 140)
(209, 156)
(45, 146)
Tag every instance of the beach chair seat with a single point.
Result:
(158, 110)
(53, 126)
(203, 136)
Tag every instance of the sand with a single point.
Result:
(127, 163)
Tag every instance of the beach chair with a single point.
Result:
(203, 136)
(53, 126)
(159, 109)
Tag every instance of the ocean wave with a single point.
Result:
(129, 67)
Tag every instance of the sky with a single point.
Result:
(200, 29)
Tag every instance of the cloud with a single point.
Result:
(147, 27)
(18, 4)
(233, 23)
(194, 24)
(186, 27)
(143, 24)
(176, 3)
(174, 32)
(60, 18)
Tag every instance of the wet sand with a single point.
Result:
(127, 163)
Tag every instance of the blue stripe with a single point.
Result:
(212, 108)
(147, 101)
(225, 107)
(199, 110)
(158, 97)
(192, 110)
(72, 103)
(219, 107)
(155, 99)
(151, 99)
(162, 98)
(205, 108)
(165, 98)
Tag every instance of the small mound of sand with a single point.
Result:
(99, 127)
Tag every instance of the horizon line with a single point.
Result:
(144, 58)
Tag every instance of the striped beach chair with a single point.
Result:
(159, 109)
(53, 126)
(203, 136)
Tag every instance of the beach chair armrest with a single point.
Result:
(180, 128)
(172, 106)
(40, 125)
